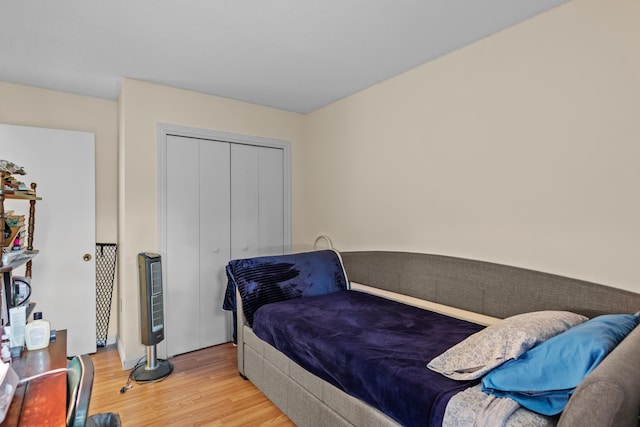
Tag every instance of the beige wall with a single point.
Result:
(30, 106)
(521, 149)
(142, 107)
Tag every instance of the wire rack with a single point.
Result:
(106, 256)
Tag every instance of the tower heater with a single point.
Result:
(151, 317)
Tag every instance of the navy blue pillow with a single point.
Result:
(544, 378)
(268, 279)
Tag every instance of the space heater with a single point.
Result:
(151, 317)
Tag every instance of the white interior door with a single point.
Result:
(62, 163)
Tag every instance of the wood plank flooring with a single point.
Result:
(203, 390)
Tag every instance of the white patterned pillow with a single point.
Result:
(494, 345)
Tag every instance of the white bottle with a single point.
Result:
(5, 352)
(37, 332)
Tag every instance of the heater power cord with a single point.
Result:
(141, 362)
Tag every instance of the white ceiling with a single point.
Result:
(297, 55)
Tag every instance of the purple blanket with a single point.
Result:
(370, 347)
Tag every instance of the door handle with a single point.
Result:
(86, 257)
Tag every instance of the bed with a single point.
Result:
(474, 296)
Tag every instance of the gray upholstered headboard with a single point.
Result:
(492, 289)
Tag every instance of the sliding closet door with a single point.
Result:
(215, 246)
(257, 201)
(224, 200)
(197, 240)
(245, 190)
(182, 281)
(271, 201)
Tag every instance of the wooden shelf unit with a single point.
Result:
(27, 256)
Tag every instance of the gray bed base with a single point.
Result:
(609, 396)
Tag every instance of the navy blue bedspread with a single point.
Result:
(370, 347)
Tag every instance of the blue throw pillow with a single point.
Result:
(544, 378)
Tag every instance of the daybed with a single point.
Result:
(608, 396)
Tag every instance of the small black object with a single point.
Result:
(7, 230)
(107, 419)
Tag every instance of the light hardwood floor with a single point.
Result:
(203, 390)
